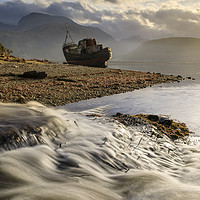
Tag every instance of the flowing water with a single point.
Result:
(70, 153)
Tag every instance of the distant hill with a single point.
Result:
(177, 49)
(41, 36)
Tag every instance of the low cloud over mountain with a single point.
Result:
(121, 19)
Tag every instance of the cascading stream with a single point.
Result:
(84, 156)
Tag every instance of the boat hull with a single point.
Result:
(95, 59)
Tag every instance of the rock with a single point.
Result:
(66, 80)
(164, 125)
(118, 114)
(33, 75)
(21, 99)
(165, 121)
(179, 76)
(189, 77)
(129, 120)
(153, 117)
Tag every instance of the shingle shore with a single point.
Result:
(68, 83)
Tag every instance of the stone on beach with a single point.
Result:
(34, 75)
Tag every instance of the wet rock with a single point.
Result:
(179, 76)
(33, 75)
(21, 99)
(170, 128)
(165, 121)
(153, 118)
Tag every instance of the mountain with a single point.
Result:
(37, 19)
(176, 49)
(41, 36)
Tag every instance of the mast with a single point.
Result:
(68, 34)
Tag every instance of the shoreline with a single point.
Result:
(66, 84)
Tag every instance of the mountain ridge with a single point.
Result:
(36, 19)
(172, 49)
(40, 35)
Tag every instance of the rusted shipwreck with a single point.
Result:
(86, 52)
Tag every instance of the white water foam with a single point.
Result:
(96, 158)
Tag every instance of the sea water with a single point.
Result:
(184, 69)
(179, 101)
(83, 153)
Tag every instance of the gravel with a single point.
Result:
(69, 83)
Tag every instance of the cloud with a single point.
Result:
(75, 11)
(111, 1)
(147, 18)
(177, 22)
(11, 12)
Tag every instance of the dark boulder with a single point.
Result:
(165, 121)
(33, 75)
(118, 114)
(153, 118)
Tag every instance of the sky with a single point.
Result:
(149, 19)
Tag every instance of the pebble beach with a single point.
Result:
(66, 84)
